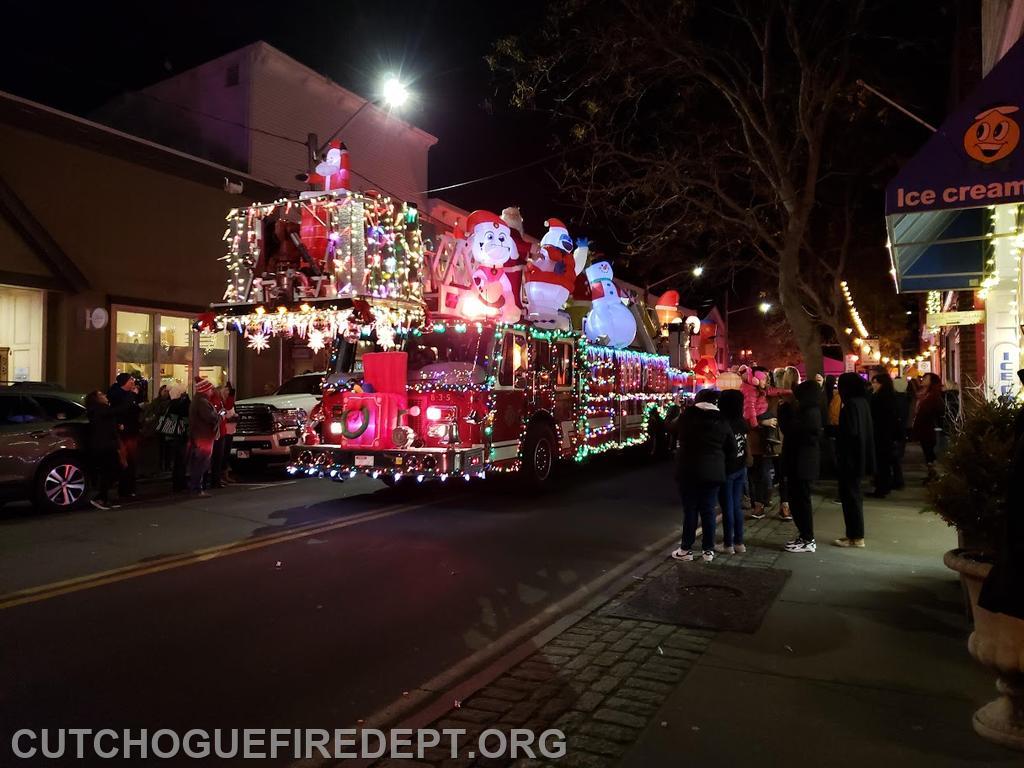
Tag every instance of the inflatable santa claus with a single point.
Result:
(333, 172)
(491, 242)
(551, 276)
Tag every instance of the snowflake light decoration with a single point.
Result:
(258, 341)
(316, 341)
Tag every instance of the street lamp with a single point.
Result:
(393, 93)
(764, 307)
(698, 271)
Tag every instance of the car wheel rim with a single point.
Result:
(64, 485)
(542, 459)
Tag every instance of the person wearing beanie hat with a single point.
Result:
(204, 429)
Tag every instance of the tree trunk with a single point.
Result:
(805, 330)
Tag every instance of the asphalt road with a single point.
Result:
(324, 629)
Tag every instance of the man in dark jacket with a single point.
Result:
(855, 453)
(124, 397)
(801, 460)
(885, 421)
(705, 440)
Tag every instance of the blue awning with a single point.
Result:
(938, 207)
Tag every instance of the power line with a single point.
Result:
(215, 117)
(499, 173)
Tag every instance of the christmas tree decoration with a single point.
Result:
(609, 321)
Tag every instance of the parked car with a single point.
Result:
(42, 447)
(269, 425)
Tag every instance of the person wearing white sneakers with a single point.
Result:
(801, 461)
(855, 456)
(730, 497)
(705, 439)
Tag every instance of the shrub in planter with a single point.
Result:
(971, 495)
(970, 492)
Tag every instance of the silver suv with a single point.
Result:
(43, 433)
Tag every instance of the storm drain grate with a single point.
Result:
(707, 597)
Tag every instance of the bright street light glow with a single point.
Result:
(395, 93)
(765, 307)
(698, 271)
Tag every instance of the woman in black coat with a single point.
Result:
(855, 454)
(885, 421)
(104, 443)
(705, 439)
(801, 461)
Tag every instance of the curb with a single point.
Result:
(435, 697)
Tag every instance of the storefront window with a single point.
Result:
(164, 349)
(175, 350)
(133, 344)
(214, 357)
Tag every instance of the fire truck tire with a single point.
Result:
(540, 451)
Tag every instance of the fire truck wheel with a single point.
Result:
(540, 450)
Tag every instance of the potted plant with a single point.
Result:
(970, 494)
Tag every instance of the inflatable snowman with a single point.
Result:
(493, 248)
(609, 321)
(551, 276)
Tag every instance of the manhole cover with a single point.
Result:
(708, 597)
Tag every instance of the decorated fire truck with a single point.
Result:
(483, 354)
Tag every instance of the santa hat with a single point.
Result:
(483, 217)
(203, 385)
(557, 235)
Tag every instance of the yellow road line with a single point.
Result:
(101, 578)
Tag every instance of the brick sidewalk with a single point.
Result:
(601, 681)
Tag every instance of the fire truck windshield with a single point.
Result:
(451, 357)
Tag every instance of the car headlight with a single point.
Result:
(290, 419)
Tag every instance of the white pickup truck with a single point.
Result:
(269, 425)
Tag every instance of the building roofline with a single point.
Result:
(428, 138)
(33, 116)
(262, 47)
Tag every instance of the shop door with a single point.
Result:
(21, 333)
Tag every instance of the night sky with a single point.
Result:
(75, 57)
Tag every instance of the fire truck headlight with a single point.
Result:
(335, 427)
(414, 410)
(433, 413)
